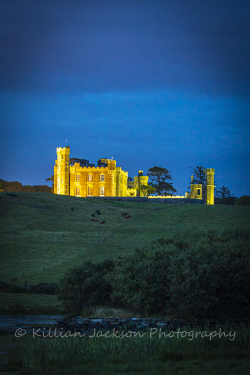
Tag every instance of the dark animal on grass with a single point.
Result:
(102, 222)
(72, 209)
(98, 212)
(11, 195)
(92, 215)
(94, 220)
(127, 216)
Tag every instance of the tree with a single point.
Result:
(51, 178)
(223, 192)
(159, 177)
(86, 286)
(244, 200)
(147, 190)
(199, 175)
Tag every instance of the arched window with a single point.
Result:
(101, 191)
(90, 191)
(102, 177)
(90, 177)
(78, 177)
(78, 191)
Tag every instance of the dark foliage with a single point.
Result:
(244, 200)
(229, 200)
(193, 276)
(159, 178)
(17, 186)
(42, 288)
(86, 286)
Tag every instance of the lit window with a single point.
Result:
(90, 177)
(89, 190)
(102, 177)
(77, 177)
(78, 190)
(102, 191)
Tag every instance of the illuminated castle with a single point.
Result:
(85, 180)
(107, 180)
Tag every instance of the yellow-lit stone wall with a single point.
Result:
(196, 191)
(61, 171)
(139, 181)
(121, 182)
(91, 181)
(80, 181)
(210, 185)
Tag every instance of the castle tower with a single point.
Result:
(143, 180)
(209, 185)
(61, 171)
(196, 190)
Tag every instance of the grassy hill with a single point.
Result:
(41, 237)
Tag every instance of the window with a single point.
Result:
(77, 177)
(90, 177)
(89, 190)
(78, 190)
(62, 156)
(198, 191)
(61, 181)
(101, 191)
(102, 177)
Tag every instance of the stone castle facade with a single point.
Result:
(86, 180)
(107, 180)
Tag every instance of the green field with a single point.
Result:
(41, 237)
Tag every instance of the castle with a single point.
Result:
(107, 180)
(85, 180)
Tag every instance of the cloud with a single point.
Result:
(125, 45)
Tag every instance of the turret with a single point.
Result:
(209, 185)
(61, 171)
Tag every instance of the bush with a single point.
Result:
(86, 287)
(44, 288)
(244, 200)
(227, 200)
(199, 275)
(194, 277)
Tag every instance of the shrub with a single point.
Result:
(86, 287)
(244, 200)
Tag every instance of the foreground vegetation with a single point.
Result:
(192, 276)
(41, 237)
(145, 354)
(204, 248)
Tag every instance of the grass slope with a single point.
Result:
(41, 237)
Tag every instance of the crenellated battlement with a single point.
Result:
(108, 180)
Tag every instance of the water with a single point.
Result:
(12, 346)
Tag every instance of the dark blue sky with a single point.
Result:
(163, 83)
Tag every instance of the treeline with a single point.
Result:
(196, 276)
(244, 200)
(41, 288)
(17, 186)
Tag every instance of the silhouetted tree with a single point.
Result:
(223, 192)
(158, 179)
